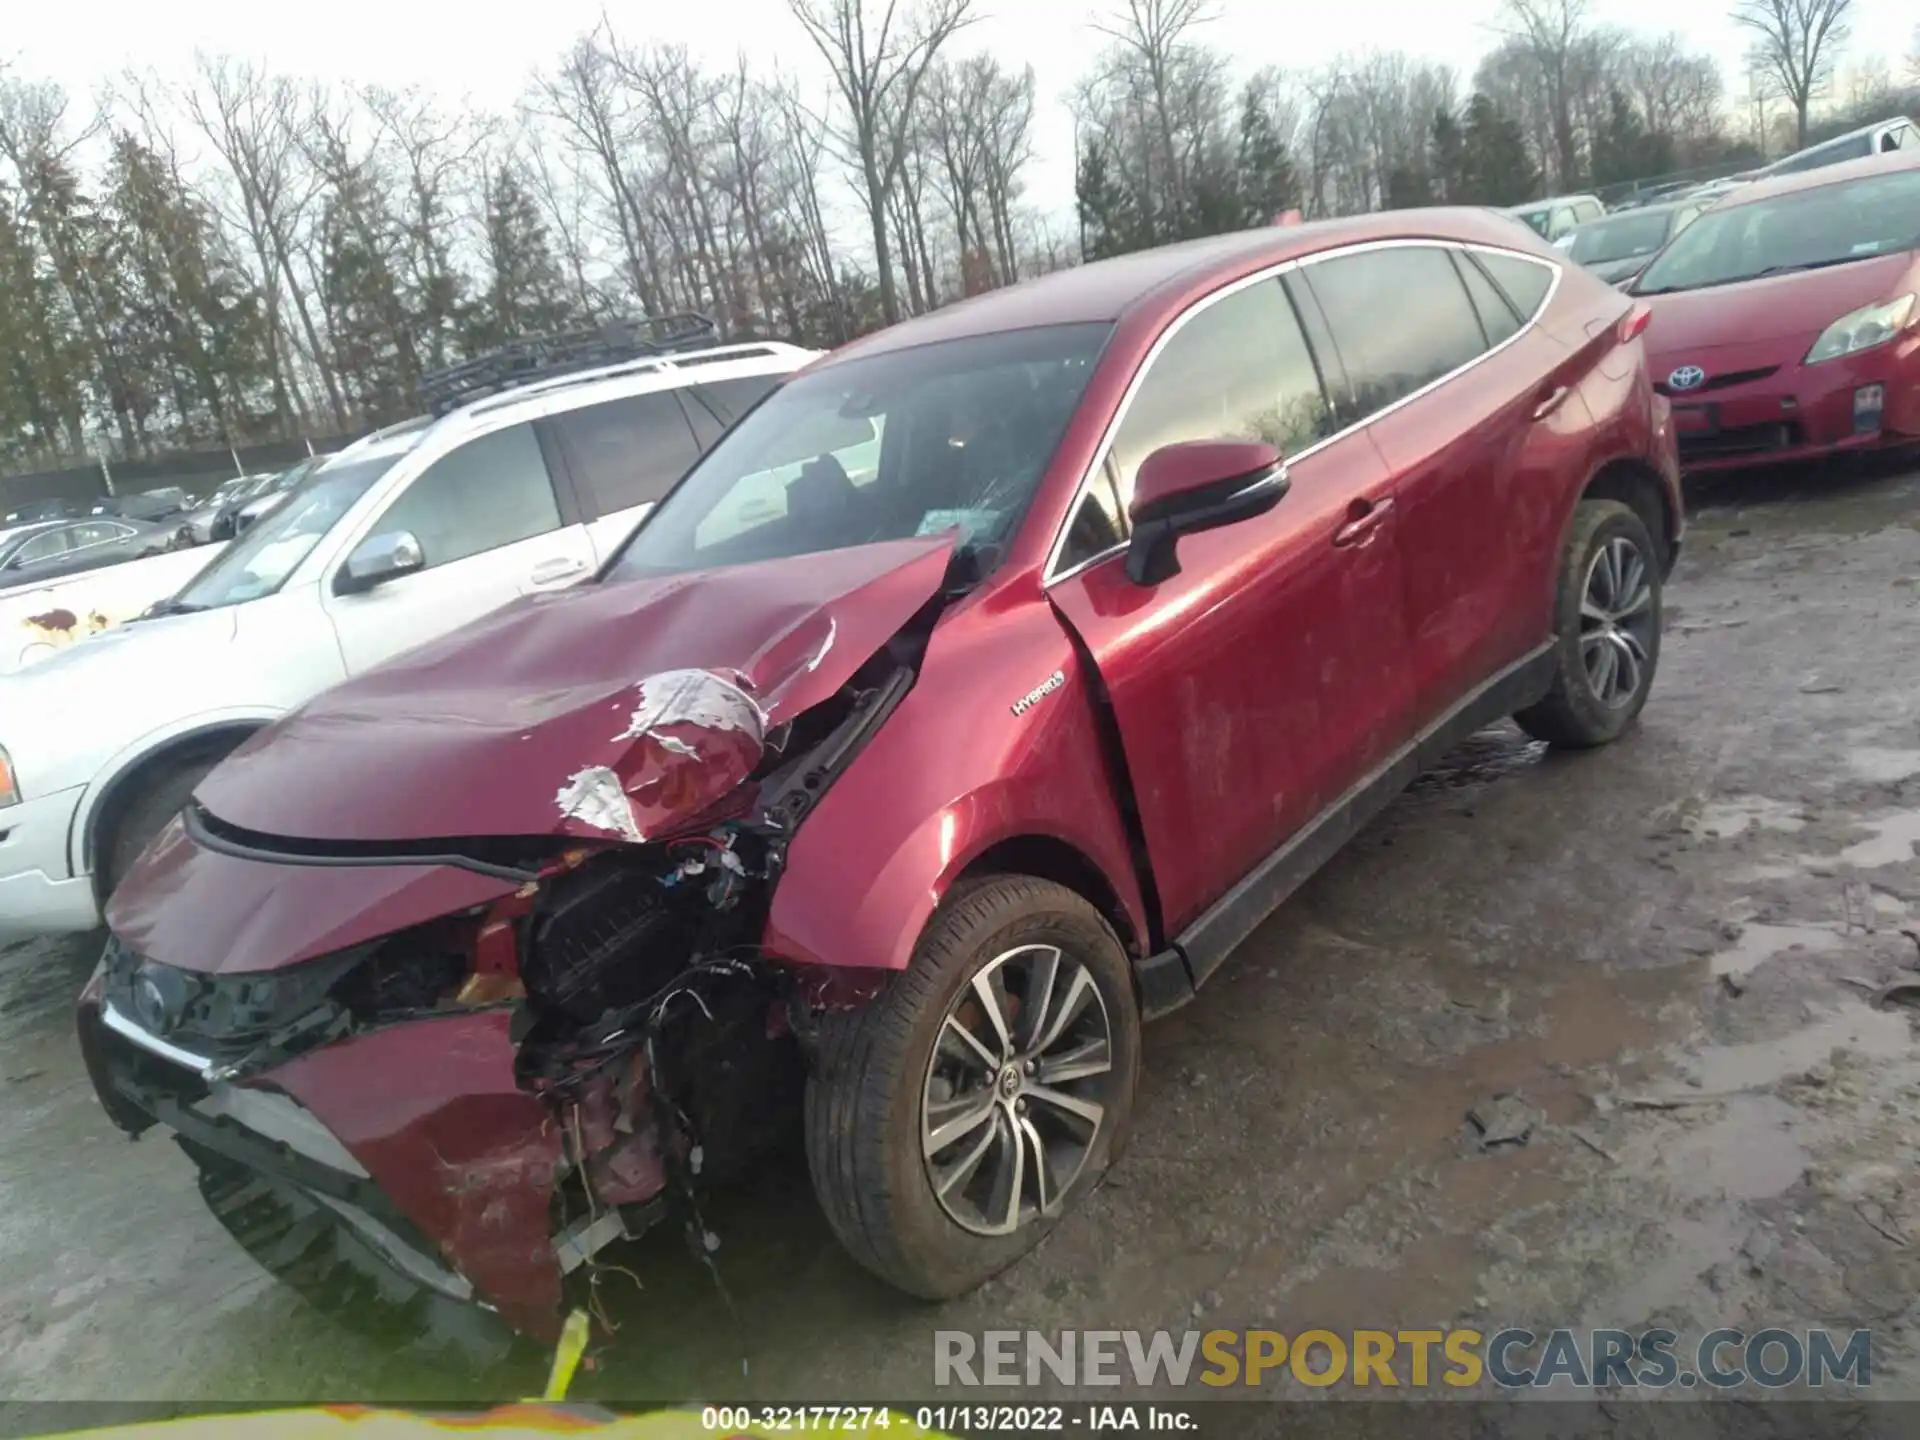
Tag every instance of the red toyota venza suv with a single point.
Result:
(966, 705)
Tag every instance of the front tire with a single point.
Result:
(954, 1120)
(145, 813)
(1607, 623)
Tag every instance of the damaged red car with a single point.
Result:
(966, 705)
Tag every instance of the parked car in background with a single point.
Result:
(1619, 246)
(145, 504)
(1883, 137)
(399, 538)
(197, 525)
(264, 498)
(972, 700)
(1556, 218)
(66, 547)
(1785, 320)
(33, 511)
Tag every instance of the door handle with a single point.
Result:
(1368, 516)
(1550, 402)
(563, 567)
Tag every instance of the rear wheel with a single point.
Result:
(954, 1120)
(312, 1250)
(1607, 619)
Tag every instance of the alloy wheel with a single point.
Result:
(1016, 1090)
(1617, 622)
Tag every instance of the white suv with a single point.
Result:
(398, 539)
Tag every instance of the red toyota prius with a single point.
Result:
(1785, 324)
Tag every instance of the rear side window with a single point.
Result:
(490, 492)
(1400, 318)
(626, 452)
(730, 399)
(1498, 318)
(1524, 282)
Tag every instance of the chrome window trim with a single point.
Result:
(1051, 576)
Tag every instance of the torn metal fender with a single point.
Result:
(891, 835)
(433, 1111)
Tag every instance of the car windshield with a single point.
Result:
(1854, 220)
(260, 562)
(1625, 238)
(952, 435)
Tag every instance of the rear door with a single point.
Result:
(1255, 687)
(489, 526)
(1460, 397)
(623, 455)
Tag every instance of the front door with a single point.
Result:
(1263, 681)
(489, 528)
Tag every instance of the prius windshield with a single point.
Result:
(263, 559)
(949, 436)
(1804, 230)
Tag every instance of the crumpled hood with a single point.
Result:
(608, 712)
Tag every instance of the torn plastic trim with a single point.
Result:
(214, 834)
(791, 795)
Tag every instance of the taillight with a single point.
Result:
(1635, 324)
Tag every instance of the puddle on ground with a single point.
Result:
(1482, 757)
(1892, 843)
(1886, 767)
(1726, 1069)
(1760, 943)
(1724, 819)
(1746, 1153)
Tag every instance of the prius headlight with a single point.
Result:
(1862, 330)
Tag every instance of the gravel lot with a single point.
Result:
(1665, 950)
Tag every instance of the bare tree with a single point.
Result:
(1156, 33)
(1550, 32)
(1797, 42)
(879, 64)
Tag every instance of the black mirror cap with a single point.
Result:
(1153, 553)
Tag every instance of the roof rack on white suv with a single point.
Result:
(513, 365)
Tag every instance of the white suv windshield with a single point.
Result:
(952, 435)
(1802, 230)
(260, 561)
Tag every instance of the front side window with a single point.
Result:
(1239, 369)
(627, 452)
(265, 557)
(1858, 148)
(1400, 318)
(490, 492)
(44, 547)
(952, 435)
(1804, 230)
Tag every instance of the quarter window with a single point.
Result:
(730, 399)
(1400, 318)
(1524, 282)
(490, 492)
(1497, 316)
(627, 452)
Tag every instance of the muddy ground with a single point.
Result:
(1666, 950)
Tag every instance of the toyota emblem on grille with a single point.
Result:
(1687, 377)
(159, 999)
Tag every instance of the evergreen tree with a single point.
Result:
(1408, 188)
(1267, 182)
(1108, 225)
(373, 350)
(1496, 168)
(1447, 158)
(526, 288)
(1624, 149)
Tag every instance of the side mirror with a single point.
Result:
(378, 559)
(1192, 486)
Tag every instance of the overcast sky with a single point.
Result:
(485, 51)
